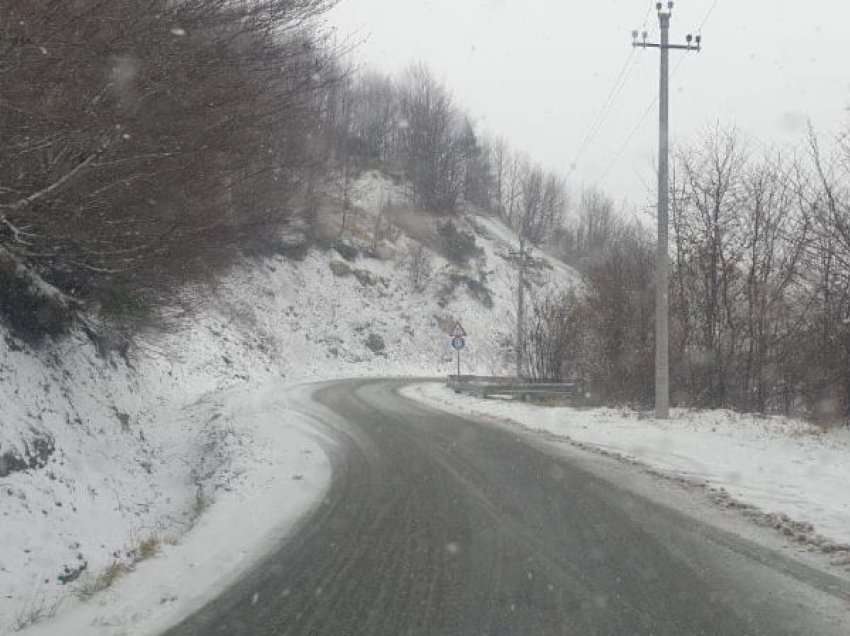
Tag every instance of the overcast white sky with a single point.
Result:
(539, 71)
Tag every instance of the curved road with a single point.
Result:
(437, 524)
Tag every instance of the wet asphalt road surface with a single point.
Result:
(437, 524)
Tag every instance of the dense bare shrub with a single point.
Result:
(419, 268)
(457, 245)
(143, 142)
(552, 339)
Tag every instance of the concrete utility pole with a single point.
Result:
(523, 259)
(662, 261)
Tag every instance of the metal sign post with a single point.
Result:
(458, 342)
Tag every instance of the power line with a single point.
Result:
(603, 113)
(610, 100)
(654, 101)
(637, 126)
(708, 15)
(646, 15)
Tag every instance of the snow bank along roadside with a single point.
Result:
(279, 474)
(782, 473)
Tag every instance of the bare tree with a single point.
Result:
(618, 309)
(593, 228)
(823, 369)
(432, 148)
(775, 236)
(419, 267)
(375, 118)
(499, 160)
(552, 338)
(708, 233)
(536, 204)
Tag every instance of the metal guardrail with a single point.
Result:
(522, 388)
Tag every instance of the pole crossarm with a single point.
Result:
(654, 45)
(692, 42)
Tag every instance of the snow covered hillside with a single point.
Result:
(108, 459)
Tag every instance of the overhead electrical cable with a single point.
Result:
(610, 101)
(652, 103)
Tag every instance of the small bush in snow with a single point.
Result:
(375, 343)
(365, 277)
(37, 451)
(148, 548)
(35, 611)
(477, 288)
(457, 246)
(419, 267)
(93, 585)
(201, 504)
(340, 269)
(346, 250)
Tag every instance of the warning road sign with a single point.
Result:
(458, 331)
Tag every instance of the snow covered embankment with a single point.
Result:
(782, 472)
(279, 476)
(120, 480)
